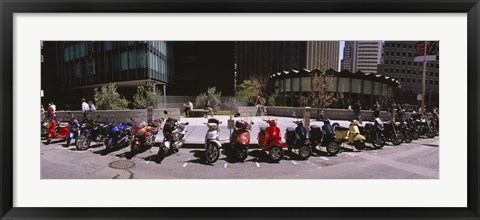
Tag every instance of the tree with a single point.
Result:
(319, 95)
(211, 96)
(108, 98)
(146, 96)
(250, 89)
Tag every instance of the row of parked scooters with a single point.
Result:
(299, 140)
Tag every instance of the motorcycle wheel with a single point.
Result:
(212, 153)
(68, 141)
(276, 154)
(415, 135)
(109, 144)
(241, 153)
(304, 152)
(134, 148)
(359, 144)
(378, 142)
(407, 137)
(82, 142)
(430, 133)
(333, 148)
(396, 139)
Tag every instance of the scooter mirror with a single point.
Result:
(186, 123)
(220, 122)
(131, 119)
(238, 115)
(165, 112)
(252, 123)
(98, 116)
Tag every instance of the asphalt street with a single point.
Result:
(416, 160)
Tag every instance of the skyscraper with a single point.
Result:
(399, 63)
(362, 56)
(260, 59)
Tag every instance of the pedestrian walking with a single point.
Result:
(393, 111)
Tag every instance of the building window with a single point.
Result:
(377, 88)
(77, 51)
(108, 45)
(436, 74)
(402, 80)
(78, 71)
(124, 61)
(140, 59)
(397, 71)
(408, 71)
(403, 62)
(132, 60)
(296, 84)
(115, 63)
(431, 82)
(408, 80)
(332, 84)
(344, 84)
(66, 54)
(356, 86)
(367, 87)
(287, 85)
(436, 83)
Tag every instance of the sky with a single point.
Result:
(342, 45)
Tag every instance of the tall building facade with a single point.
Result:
(399, 63)
(362, 56)
(260, 59)
(348, 56)
(202, 64)
(80, 66)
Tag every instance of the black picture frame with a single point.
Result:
(9, 7)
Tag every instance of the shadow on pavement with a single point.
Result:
(199, 157)
(431, 145)
(260, 156)
(106, 151)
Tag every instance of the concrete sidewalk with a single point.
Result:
(196, 129)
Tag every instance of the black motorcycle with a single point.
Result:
(374, 133)
(407, 133)
(392, 133)
(90, 130)
(296, 139)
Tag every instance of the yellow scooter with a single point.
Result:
(350, 135)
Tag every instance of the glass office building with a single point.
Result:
(75, 68)
(88, 63)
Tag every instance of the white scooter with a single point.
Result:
(212, 141)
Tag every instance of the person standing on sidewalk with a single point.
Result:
(356, 110)
(85, 107)
(376, 109)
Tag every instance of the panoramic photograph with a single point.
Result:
(239, 109)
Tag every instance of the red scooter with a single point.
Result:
(270, 140)
(57, 130)
(240, 140)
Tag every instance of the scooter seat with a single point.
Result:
(340, 128)
(62, 125)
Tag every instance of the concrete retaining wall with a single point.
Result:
(334, 114)
(120, 115)
(246, 111)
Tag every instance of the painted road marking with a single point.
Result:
(258, 165)
(324, 158)
(350, 154)
(388, 147)
(185, 164)
(226, 164)
(148, 161)
(294, 162)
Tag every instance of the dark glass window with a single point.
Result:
(140, 59)
(124, 60)
(132, 59)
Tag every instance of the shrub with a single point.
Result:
(211, 96)
(107, 98)
(146, 96)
